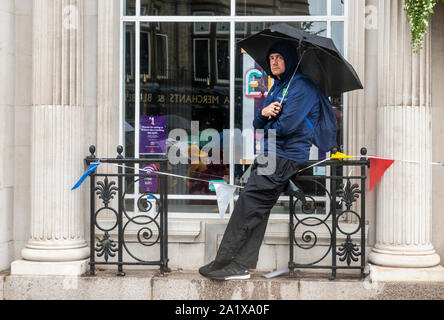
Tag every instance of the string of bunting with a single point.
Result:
(225, 191)
(378, 165)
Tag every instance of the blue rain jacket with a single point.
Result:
(294, 136)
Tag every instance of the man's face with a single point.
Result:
(277, 64)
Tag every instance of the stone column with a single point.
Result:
(403, 219)
(354, 131)
(57, 244)
(355, 113)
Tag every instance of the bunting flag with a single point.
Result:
(92, 166)
(224, 194)
(377, 168)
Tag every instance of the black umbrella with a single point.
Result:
(319, 57)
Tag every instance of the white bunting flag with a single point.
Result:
(224, 194)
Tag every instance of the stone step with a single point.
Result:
(189, 285)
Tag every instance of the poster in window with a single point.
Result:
(152, 135)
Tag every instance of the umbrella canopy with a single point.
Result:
(320, 59)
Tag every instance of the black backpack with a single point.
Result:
(325, 131)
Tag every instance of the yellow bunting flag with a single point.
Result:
(340, 156)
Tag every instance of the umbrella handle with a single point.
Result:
(291, 79)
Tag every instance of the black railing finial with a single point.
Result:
(90, 158)
(363, 151)
(119, 151)
(92, 150)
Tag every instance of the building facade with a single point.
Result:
(80, 73)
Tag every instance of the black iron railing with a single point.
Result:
(340, 204)
(146, 225)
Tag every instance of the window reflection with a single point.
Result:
(129, 69)
(337, 34)
(250, 92)
(337, 7)
(223, 63)
(201, 60)
(162, 56)
(184, 7)
(281, 8)
(129, 7)
(184, 77)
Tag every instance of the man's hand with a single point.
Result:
(272, 110)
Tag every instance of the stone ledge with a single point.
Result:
(68, 268)
(189, 285)
(387, 274)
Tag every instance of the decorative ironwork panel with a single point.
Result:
(122, 236)
(343, 244)
(314, 223)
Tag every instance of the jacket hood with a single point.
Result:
(288, 51)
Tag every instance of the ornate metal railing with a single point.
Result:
(332, 223)
(145, 225)
(340, 204)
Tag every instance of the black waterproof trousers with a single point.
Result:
(246, 229)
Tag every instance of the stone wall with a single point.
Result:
(23, 115)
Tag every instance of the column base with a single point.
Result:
(65, 268)
(404, 259)
(432, 274)
(54, 254)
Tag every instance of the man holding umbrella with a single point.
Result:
(291, 109)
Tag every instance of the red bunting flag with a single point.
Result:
(377, 168)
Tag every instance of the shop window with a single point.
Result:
(181, 74)
(175, 95)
